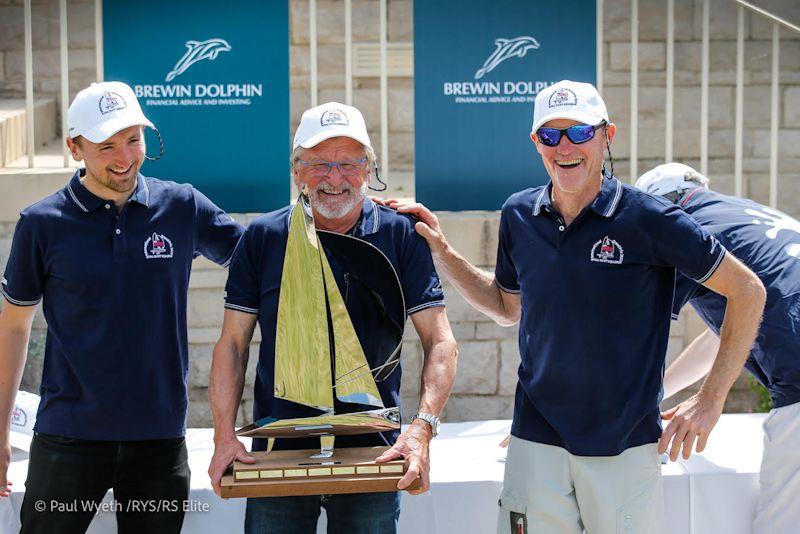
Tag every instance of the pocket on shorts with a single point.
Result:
(513, 515)
(643, 513)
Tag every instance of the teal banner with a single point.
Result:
(477, 69)
(214, 79)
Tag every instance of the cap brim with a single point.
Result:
(103, 131)
(580, 116)
(319, 137)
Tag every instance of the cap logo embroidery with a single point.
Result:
(111, 102)
(19, 417)
(157, 246)
(562, 97)
(334, 116)
(607, 250)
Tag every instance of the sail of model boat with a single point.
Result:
(303, 348)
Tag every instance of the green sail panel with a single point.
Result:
(302, 346)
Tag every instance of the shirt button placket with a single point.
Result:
(119, 238)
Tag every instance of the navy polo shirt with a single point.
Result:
(596, 299)
(253, 287)
(114, 287)
(768, 242)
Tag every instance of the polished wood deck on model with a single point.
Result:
(291, 473)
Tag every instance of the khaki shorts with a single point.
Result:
(778, 510)
(547, 490)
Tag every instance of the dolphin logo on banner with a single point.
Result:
(198, 51)
(506, 49)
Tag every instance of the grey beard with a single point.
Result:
(335, 210)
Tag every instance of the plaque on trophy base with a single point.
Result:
(293, 473)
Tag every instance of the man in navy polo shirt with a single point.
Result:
(332, 157)
(110, 256)
(768, 242)
(587, 265)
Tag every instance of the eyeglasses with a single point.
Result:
(579, 133)
(325, 168)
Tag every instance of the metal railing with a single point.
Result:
(29, 122)
(29, 101)
(742, 7)
(383, 74)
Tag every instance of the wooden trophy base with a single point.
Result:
(293, 473)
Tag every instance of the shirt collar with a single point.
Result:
(608, 199)
(369, 221)
(605, 204)
(543, 199)
(142, 193)
(684, 200)
(370, 218)
(88, 201)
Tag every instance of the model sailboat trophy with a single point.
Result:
(321, 363)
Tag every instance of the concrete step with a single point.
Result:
(22, 186)
(13, 126)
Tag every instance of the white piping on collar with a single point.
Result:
(75, 198)
(615, 202)
(537, 208)
(146, 191)
(375, 215)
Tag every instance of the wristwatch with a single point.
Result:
(429, 418)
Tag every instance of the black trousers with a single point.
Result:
(68, 478)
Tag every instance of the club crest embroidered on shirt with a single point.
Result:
(157, 246)
(607, 250)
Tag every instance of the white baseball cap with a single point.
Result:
(668, 178)
(331, 119)
(22, 420)
(566, 99)
(103, 109)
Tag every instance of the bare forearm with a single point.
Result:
(225, 387)
(438, 375)
(692, 364)
(739, 330)
(13, 352)
(477, 286)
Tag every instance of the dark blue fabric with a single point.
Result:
(116, 356)
(354, 513)
(596, 301)
(253, 287)
(768, 242)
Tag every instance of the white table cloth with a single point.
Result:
(711, 492)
